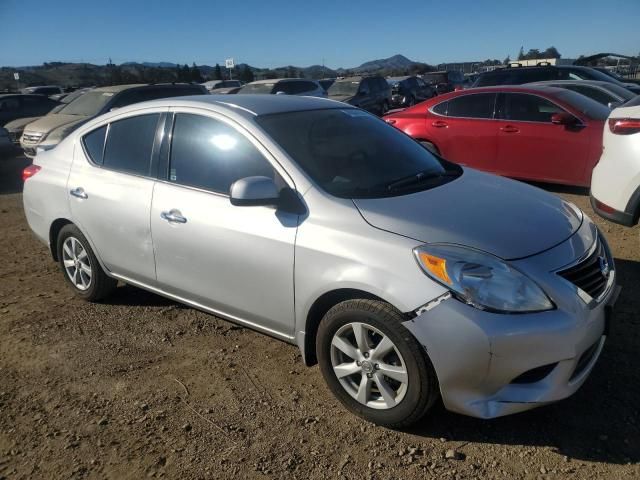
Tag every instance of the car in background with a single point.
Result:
(369, 93)
(445, 81)
(606, 93)
(222, 86)
(615, 75)
(545, 134)
(516, 75)
(48, 131)
(615, 185)
(16, 127)
(284, 86)
(405, 277)
(46, 90)
(14, 106)
(326, 83)
(408, 90)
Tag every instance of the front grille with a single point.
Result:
(591, 274)
(31, 137)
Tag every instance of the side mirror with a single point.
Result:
(613, 105)
(254, 191)
(563, 118)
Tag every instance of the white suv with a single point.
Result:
(615, 184)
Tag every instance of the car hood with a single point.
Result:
(19, 124)
(506, 218)
(50, 122)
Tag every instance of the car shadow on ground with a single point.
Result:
(130, 296)
(601, 422)
(11, 166)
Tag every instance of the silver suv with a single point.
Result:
(405, 276)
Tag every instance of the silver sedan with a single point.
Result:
(406, 277)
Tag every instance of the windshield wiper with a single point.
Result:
(416, 178)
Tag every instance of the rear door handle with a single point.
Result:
(79, 193)
(439, 124)
(509, 129)
(173, 216)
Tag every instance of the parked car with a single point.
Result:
(18, 106)
(288, 86)
(409, 90)
(46, 90)
(615, 75)
(413, 277)
(16, 128)
(326, 83)
(445, 81)
(369, 93)
(48, 131)
(529, 132)
(606, 93)
(514, 75)
(223, 86)
(615, 186)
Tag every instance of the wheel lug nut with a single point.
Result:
(377, 366)
(366, 354)
(358, 363)
(369, 375)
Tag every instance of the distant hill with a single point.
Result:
(86, 74)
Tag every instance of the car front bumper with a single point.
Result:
(492, 364)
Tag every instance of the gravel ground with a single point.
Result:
(140, 387)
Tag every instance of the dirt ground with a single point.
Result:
(143, 387)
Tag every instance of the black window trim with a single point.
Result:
(493, 116)
(151, 175)
(498, 112)
(167, 143)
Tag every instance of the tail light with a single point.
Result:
(624, 126)
(30, 171)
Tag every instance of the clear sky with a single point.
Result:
(270, 33)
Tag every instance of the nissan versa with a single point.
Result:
(404, 276)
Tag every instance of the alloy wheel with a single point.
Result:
(76, 263)
(369, 366)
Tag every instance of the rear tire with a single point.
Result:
(385, 377)
(80, 267)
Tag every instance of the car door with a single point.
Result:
(236, 261)
(110, 187)
(464, 130)
(531, 147)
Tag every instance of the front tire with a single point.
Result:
(374, 365)
(80, 267)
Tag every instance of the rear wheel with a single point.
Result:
(374, 365)
(80, 267)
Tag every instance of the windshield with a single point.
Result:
(344, 88)
(434, 78)
(88, 104)
(257, 88)
(584, 104)
(352, 154)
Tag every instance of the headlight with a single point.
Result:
(482, 280)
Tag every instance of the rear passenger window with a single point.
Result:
(130, 143)
(94, 144)
(479, 105)
(441, 108)
(209, 154)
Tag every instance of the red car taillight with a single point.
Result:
(624, 126)
(30, 171)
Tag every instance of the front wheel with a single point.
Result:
(374, 365)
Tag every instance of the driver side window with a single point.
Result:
(529, 108)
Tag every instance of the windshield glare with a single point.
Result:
(88, 104)
(350, 153)
(343, 88)
(257, 88)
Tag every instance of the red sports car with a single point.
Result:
(535, 133)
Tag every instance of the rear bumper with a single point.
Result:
(628, 219)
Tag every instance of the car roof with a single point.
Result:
(597, 83)
(277, 80)
(525, 88)
(248, 105)
(398, 79)
(31, 95)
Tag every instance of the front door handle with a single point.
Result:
(439, 124)
(509, 129)
(173, 216)
(79, 193)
